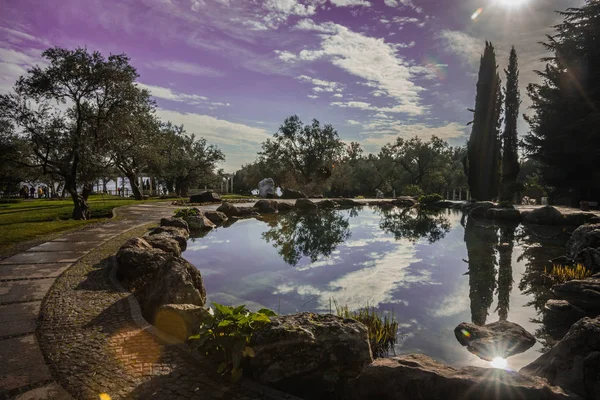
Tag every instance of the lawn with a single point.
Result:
(31, 221)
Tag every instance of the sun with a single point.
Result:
(511, 3)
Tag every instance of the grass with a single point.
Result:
(231, 196)
(560, 274)
(25, 223)
(382, 327)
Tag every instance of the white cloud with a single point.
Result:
(466, 47)
(405, 109)
(168, 94)
(17, 36)
(352, 122)
(186, 68)
(312, 96)
(307, 24)
(351, 3)
(406, 3)
(382, 131)
(338, 95)
(15, 64)
(321, 85)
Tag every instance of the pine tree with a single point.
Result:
(510, 158)
(564, 135)
(482, 163)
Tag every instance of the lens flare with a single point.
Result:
(499, 362)
(477, 13)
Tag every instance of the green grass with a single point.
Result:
(230, 196)
(25, 222)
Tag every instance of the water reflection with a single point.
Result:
(505, 273)
(415, 224)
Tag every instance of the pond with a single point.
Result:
(432, 270)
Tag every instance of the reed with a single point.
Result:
(564, 273)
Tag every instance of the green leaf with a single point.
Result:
(225, 323)
(248, 352)
(221, 368)
(267, 312)
(236, 374)
(260, 318)
(224, 310)
(239, 309)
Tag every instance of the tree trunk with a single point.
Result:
(81, 210)
(134, 185)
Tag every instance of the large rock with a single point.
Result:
(176, 282)
(266, 206)
(583, 237)
(206, 197)
(498, 339)
(561, 312)
(284, 207)
(348, 202)
(579, 218)
(404, 201)
(180, 320)
(293, 194)
(266, 188)
(228, 209)
(546, 215)
(327, 204)
(305, 204)
(180, 235)
(309, 355)
(418, 377)
(478, 209)
(574, 362)
(503, 214)
(584, 293)
(175, 222)
(216, 217)
(137, 258)
(590, 258)
(199, 223)
(164, 242)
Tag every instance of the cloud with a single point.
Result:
(321, 85)
(351, 3)
(383, 131)
(15, 64)
(466, 47)
(17, 36)
(186, 68)
(405, 3)
(168, 94)
(352, 122)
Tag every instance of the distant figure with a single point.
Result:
(378, 194)
(24, 192)
(40, 193)
(32, 192)
(46, 192)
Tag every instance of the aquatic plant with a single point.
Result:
(564, 273)
(225, 336)
(382, 327)
(187, 212)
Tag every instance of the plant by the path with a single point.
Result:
(187, 212)
(382, 327)
(225, 336)
(560, 273)
(430, 199)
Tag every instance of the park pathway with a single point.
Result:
(91, 333)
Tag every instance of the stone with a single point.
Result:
(503, 214)
(180, 235)
(405, 201)
(561, 260)
(498, 339)
(561, 312)
(574, 362)
(208, 196)
(199, 223)
(228, 209)
(416, 376)
(348, 202)
(164, 242)
(478, 209)
(266, 187)
(266, 206)
(308, 354)
(216, 217)
(137, 258)
(180, 320)
(305, 204)
(583, 237)
(176, 282)
(284, 207)
(584, 293)
(579, 218)
(327, 204)
(293, 194)
(590, 258)
(174, 222)
(546, 215)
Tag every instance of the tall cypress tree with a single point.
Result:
(510, 158)
(482, 163)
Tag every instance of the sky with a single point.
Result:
(232, 70)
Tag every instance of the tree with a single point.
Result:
(308, 152)
(564, 136)
(64, 110)
(482, 164)
(510, 157)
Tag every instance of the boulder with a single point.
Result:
(579, 218)
(561, 312)
(498, 339)
(216, 217)
(180, 320)
(293, 194)
(180, 235)
(164, 242)
(479, 208)
(175, 222)
(176, 282)
(137, 258)
(583, 237)
(305, 204)
(418, 377)
(327, 204)
(228, 209)
(546, 215)
(199, 223)
(266, 187)
(284, 207)
(348, 202)
(561, 260)
(467, 207)
(206, 197)
(308, 354)
(590, 258)
(404, 201)
(574, 362)
(503, 214)
(584, 293)
(266, 206)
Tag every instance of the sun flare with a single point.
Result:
(499, 362)
(511, 3)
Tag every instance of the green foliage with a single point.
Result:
(412, 190)
(563, 273)
(510, 158)
(225, 336)
(430, 199)
(187, 212)
(382, 327)
(415, 224)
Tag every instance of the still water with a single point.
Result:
(433, 270)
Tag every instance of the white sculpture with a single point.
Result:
(266, 188)
(378, 194)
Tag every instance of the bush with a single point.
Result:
(430, 199)
(412, 190)
(225, 336)
(383, 328)
(560, 273)
(187, 212)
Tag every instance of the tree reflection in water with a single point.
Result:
(505, 273)
(313, 234)
(413, 224)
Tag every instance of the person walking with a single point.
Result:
(32, 192)
(40, 192)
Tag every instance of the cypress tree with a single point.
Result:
(510, 158)
(482, 163)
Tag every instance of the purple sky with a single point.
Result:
(233, 70)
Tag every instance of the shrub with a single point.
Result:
(359, 197)
(187, 212)
(382, 327)
(412, 190)
(505, 204)
(225, 336)
(430, 199)
(560, 273)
